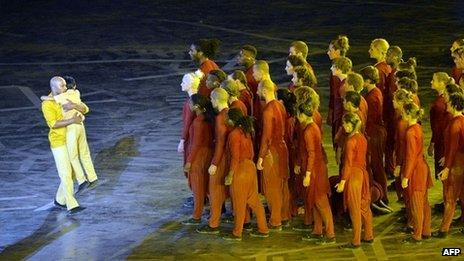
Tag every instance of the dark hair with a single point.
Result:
(353, 97)
(370, 73)
(343, 63)
(453, 88)
(289, 100)
(244, 122)
(457, 101)
(394, 56)
(240, 75)
(204, 104)
(411, 74)
(341, 43)
(306, 109)
(353, 119)
(410, 64)
(70, 82)
(412, 109)
(306, 76)
(220, 74)
(209, 47)
(408, 84)
(250, 49)
(296, 60)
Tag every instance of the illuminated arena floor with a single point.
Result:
(128, 60)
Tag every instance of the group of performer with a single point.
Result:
(242, 136)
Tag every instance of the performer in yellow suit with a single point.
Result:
(76, 138)
(53, 115)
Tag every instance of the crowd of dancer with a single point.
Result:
(243, 136)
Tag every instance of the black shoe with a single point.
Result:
(349, 246)
(274, 228)
(440, 234)
(285, 223)
(326, 241)
(58, 204)
(231, 237)
(461, 230)
(256, 233)
(228, 219)
(75, 210)
(82, 186)
(248, 227)
(312, 237)
(207, 230)
(302, 227)
(439, 207)
(411, 241)
(370, 241)
(457, 222)
(406, 230)
(191, 222)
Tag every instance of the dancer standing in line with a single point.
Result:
(231, 88)
(355, 182)
(242, 176)
(246, 95)
(301, 49)
(416, 177)
(201, 152)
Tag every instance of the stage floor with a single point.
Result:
(128, 61)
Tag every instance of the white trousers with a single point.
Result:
(65, 193)
(78, 148)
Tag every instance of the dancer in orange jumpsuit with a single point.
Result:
(314, 170)
(302, 77)
(416, 177)
(201, 152)
(242, 175)
(231, 88)
(355, 182)
(203, 52)
(453, 172)
(340, 68)
(245, 93)
(219, 164)
(214, 79)
(301, 49)
(273, 153)
(293, 61)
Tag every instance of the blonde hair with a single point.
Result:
(443, 77)
(195, 77)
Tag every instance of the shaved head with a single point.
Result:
(219, 95)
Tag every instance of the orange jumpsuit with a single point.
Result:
(247, 98)
(187, 119)
(292, 144)
(206, 67)
(318, 191)
(241, 106)
(244, 187)
(454, 161)
(201, 152)
(376, 133)
(274, 153)
(389, 120)
(357, 197)
(217, 189)
(417, 172)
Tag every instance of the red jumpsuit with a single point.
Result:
(335, 104)
(247, 98)
(292, 145)
(201, 152)
(454, 161)
(187, 119)
(244, 187)
(274, 153)
(217, 189)
(439, 119)
(356, 194)
(417, 172)
(206, 67)
(457, 73)
(389, 120)
(376, 135)
(318, 191)
(241, 106)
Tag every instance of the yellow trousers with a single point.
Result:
(65, 193)
(78, 150)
